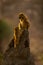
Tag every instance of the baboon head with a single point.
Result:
(23, 21)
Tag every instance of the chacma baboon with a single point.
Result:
(18, 31)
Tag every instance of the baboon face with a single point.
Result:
(21, 18)
(23, 21)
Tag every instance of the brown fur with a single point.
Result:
(16, 30)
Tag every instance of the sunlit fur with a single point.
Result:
(14, 38)
(25, 25)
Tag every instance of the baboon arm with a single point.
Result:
(14, 38)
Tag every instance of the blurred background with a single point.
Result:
(9, 11)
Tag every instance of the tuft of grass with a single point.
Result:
(5, 29)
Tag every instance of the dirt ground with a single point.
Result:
(36, 45)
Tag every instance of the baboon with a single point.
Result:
(23, 25)
(18, 31)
